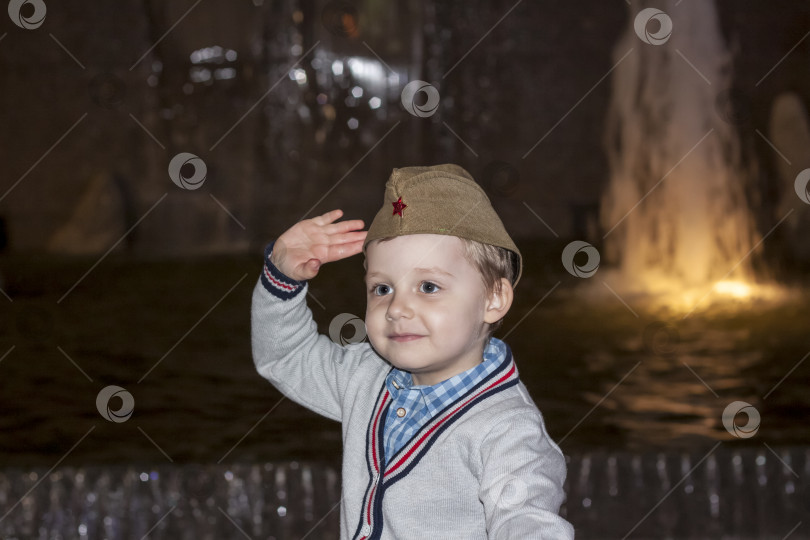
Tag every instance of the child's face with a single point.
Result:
(408, 293)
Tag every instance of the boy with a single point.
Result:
(441, 438)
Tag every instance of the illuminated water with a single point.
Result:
(618, 384)
(676, 213)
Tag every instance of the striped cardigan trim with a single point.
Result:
(412, 452)
(505, 376)
(374, 458)
(277, 283)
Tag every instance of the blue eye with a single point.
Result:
(430, 284)
(425, 287)
(375, 287)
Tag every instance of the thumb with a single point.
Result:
(309, 269)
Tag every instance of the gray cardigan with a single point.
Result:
(484, 467)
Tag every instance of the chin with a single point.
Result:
(404, 366)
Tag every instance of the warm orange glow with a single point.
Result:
(657, 292)
(737, 295)
(737, 289)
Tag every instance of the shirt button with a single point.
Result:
(365, 530)
(400, 412)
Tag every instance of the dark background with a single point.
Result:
(85, 144)
(288, 151)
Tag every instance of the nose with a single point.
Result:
(399, 307)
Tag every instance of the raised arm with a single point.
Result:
(305, 366)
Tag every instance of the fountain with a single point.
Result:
(677, 210)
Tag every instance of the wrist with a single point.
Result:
(276, 281)
(275, 256)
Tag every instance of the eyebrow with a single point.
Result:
(432, 270)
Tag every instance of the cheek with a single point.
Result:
(445, 316)
(375, 317)
(457, 313)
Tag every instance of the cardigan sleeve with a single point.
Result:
(307, 367)
(523, 472)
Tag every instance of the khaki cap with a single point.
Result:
(442, 199)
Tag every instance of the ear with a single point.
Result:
(499, 303)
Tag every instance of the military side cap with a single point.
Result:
(442, 199)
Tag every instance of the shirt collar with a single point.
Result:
(436, 397)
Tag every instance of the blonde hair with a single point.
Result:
(492, 263)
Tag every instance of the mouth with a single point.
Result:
(404, 337)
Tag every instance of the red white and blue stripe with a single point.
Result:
(277, 283)
(382, 476)
(422, 402)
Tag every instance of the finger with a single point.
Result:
(344, 226)
(345, 250)
(310, 268)
(347, 238)
(327, 218)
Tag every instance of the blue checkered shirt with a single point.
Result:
(421, 403)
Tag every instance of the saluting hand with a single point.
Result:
(304, 247)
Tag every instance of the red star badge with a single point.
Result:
(399, 206)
